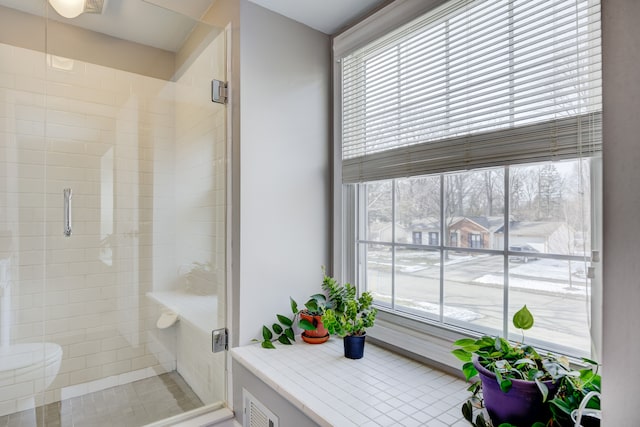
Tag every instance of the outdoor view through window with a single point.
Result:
(404, 258)
(471, 144)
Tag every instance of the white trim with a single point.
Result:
(338, 243)
(387, 19)
(433, 347)
(209, 415)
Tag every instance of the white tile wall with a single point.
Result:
(168, 185)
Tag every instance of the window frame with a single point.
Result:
(406, 332)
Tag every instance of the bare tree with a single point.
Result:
(549, 193)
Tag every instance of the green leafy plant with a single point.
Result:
(348, 314)
(282, 330)
(467, 412)
(509, 361)
(572, 390)
(316, 306)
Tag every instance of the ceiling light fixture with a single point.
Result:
(68, 8)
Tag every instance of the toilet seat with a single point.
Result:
(26, 369)
(20, 356)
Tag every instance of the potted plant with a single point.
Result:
(349, 316)
(314, 331)
(517, 385)
(309, 320)
(578, 395)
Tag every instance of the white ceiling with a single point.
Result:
(156, 23)
(327, 16)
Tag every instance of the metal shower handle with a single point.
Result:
(67, 194)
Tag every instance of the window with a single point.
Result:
(475, 240)
(417, 238)
(479, 122)
(433, 238)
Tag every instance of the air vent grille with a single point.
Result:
(256, 414)
(94, 6)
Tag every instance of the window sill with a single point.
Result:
(383, 388)
(428, 343)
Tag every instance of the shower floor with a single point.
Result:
(134, 404)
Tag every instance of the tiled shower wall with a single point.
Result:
(111, 136)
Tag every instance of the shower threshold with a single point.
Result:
(165, 399)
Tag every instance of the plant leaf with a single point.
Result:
(463, 342)
(543, 389)
(561, 405)
(289, 333)
(306, 325)
(266, 334)
(504, 383)
(276, 328)
(312, 306)
(461, 354)
(523, 319)
(284, 320)
(469, 370)
(467, 411)
(268, 344)
(294, 306)
(284, 340)
(318, 297)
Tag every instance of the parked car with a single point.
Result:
(523, 258)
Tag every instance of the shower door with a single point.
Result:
(112, 214)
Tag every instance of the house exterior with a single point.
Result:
(473, 232)
(543, 236)
(488, 233)
(425, 231)
(383, 232)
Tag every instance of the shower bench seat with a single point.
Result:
(199, 310)
(383, 388)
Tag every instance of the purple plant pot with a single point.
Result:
(522, 405)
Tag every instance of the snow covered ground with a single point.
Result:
(544, 275)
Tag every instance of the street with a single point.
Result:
(474, 292)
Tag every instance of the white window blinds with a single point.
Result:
(474, 83)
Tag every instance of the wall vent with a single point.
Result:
(255, 413)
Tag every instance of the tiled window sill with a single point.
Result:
(382, 389)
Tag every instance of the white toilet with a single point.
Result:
(26, 370)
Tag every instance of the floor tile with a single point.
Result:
(130, 405)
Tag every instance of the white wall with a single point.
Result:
(284, 165)
(621, 157)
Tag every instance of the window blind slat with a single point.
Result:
(517, 81)
(551, 140)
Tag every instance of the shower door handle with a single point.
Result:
(67, 212)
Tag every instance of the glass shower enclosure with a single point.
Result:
(113, 172)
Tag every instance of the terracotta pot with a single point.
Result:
(354, 346)
(522, 405)
(320, 334)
